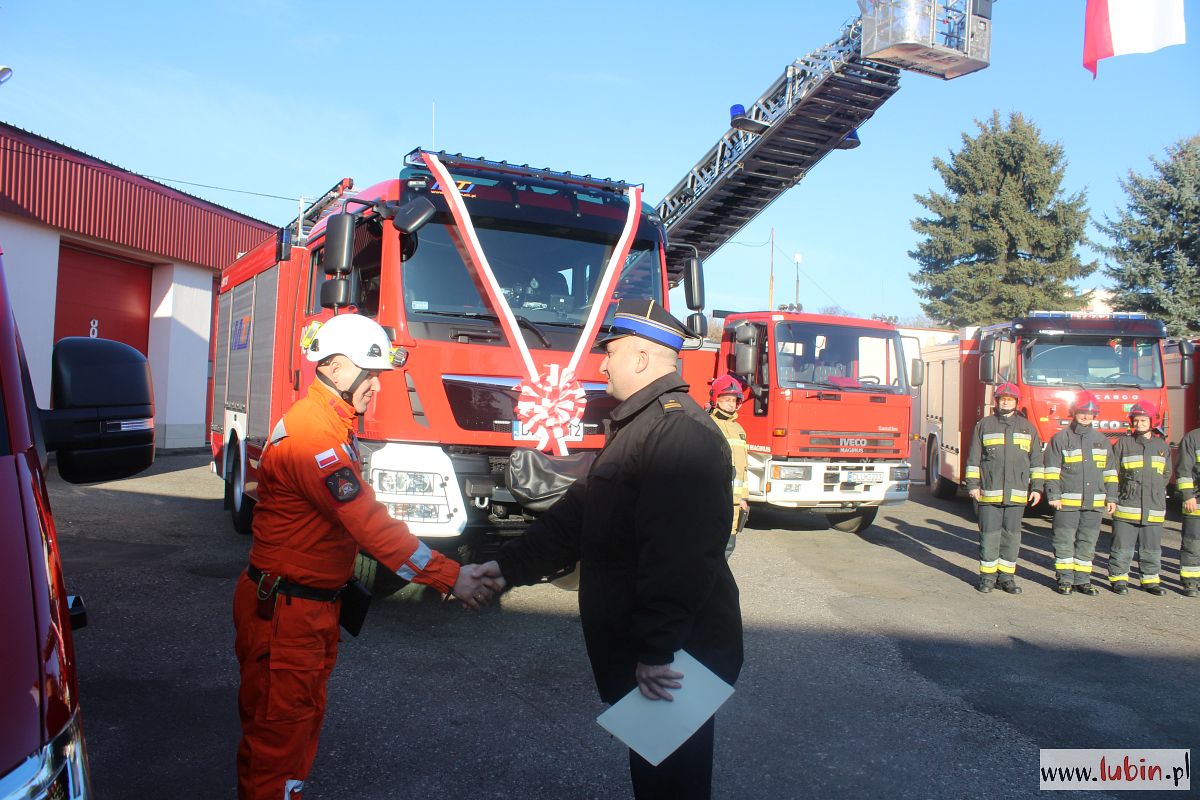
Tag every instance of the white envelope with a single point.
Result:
(655, 728)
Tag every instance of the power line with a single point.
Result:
(118, 171)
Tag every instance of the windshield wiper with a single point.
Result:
(521, 321)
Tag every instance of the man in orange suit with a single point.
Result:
(314, 513)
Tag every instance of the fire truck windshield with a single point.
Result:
(844, 357)
(548, 262)
(1092, 362)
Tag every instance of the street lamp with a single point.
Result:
(5, 73)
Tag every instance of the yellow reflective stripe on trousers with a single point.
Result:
(1115, 578)
(1148, 580)
(1065, 565)
(1083, 566)
(1007, 567)
(1188, 572)
(987, 567)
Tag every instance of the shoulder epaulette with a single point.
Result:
(670, 403)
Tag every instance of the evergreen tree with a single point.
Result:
(1001, 240)
(1156, 241)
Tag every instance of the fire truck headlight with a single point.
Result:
(900, 473)
(419, 512)
(389, 481)
(782, 472)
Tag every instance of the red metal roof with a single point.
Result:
(66, 189)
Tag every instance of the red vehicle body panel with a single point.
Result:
(37, 672)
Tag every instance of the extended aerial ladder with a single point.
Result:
(814, 108)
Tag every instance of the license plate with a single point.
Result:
(864, 477)
(792, 488)
(520, 432)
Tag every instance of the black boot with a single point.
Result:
(1088, 589)
(986, 584)
(1009, 586)
(1191, 591)
(1120, 587)
(1063, 588)
(1155, 589)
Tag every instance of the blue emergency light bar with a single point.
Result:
(1090, 315)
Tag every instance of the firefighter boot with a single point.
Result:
(1190, 589)
(1088, 589)
(1120, 587)
(1063, 588)
(986, 583)
(1009, 586)
(1155, 589)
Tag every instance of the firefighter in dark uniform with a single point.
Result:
(648, 526)
(1141, 459)
(1004, 462)
(1080, 485)
(1185, 480)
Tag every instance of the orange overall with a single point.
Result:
(314, 513)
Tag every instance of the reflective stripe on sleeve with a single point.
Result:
(417, 562)
(1051, 473)
(972, 472)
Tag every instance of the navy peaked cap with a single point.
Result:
(640, 316)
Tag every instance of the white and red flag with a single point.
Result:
(1119, 27)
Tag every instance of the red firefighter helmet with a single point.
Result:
(727, 385)
(1144, 408)
(1007, 389)
(1085, 403)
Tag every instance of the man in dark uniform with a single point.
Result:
(1185, 479)
(1081, 484)
(1141, 457)
(1005, 457)
(648, 527)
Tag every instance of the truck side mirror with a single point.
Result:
(1186, 372)
(987, 361)
(101, 421)
(335, 293)
(693, 284)
(339, 244)
(413, 215)
(916, 374)
(698, 323)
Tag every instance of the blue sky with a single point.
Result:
(286, 98)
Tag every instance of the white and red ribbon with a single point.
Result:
(549, 401)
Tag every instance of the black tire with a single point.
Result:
(854, 522)
(241, 507)
(942, 487)
(378, 580)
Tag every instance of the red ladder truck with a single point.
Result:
(1051, 356)
(492, 280)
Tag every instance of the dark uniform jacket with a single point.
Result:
(649, 525)
(1188, 467)
(1079, 469)
(1142, 491)
(1005, 455)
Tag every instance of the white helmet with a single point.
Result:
(357, 338)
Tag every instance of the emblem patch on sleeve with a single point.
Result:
(343, 485)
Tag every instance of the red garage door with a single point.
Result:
(100, 295)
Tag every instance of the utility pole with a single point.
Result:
(771, 287)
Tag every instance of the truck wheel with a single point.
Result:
(241, 508)
(378, 579)
(943, 488)
(854, 522)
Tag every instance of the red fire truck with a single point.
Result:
(1051, 356)
(1183, 394)
(492, 280)
(830, 410)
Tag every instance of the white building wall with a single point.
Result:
(181, 313)
(31, 272)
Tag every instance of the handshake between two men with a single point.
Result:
(477, 584)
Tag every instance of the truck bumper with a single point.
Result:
(834, 486)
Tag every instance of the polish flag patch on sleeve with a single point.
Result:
(326, 459)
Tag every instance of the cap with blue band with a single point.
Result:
(646, 318)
